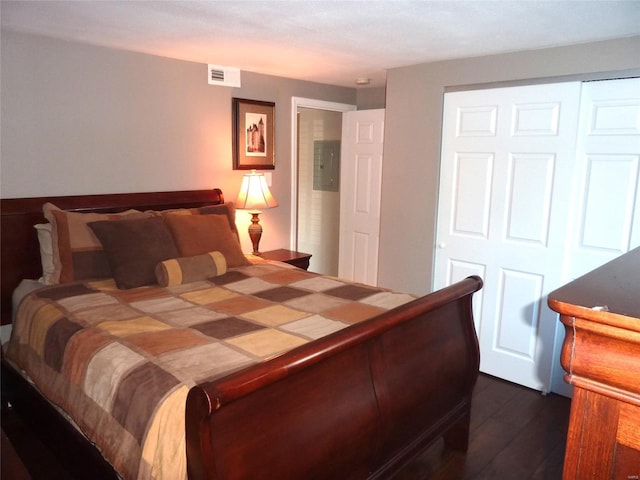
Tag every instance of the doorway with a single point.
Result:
(317, 132)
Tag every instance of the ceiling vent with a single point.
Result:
(223, 76)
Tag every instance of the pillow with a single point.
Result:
(177, 271)
(77, 253)
(227, 209)
(134, 247)
(46, 252)
(199, 234)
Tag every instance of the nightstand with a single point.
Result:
(297, 259)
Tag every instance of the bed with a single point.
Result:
(356, 401)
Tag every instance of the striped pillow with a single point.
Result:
(177, 271)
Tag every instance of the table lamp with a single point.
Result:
(255, 196)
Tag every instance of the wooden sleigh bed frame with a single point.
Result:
(359, 403)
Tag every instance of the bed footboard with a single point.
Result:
(359, 403)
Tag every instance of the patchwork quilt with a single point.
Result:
(120, 363)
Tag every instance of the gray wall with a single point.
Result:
(80, 119)
(370, 98)
(413, 130)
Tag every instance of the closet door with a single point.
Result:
(508, 156)
(605, 219)
(607, 213)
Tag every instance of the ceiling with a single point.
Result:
(333, 42)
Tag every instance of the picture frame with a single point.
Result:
(253, 134)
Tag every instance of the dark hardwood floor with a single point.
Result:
(516, 433)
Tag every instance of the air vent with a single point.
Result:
(224, 76)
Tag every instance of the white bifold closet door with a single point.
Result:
(513, 200)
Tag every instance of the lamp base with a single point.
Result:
(255, 232)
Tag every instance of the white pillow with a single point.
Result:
(46, 252)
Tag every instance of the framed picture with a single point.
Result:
(253, 134)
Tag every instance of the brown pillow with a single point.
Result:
(227, 209)
(77, 253)
(199, 234)
(134, 248)
(177, 271)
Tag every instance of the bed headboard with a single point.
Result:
(20, 256)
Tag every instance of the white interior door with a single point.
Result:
(507, 156)
(360, 179)
(608, 194)
(606, 222)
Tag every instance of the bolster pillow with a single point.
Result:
(177, 271)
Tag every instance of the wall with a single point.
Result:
(413, 130)
(80, 119)
(370, 98)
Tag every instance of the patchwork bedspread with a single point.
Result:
(120, 363)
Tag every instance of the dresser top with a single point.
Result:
(609, 291)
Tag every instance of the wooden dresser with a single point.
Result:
(601, 355)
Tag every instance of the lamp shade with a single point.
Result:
(254, 193)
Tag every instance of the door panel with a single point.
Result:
(457, 270)
(529, 190)
(609, 228)
(472, 194)
(520, 298)
(361, 180)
